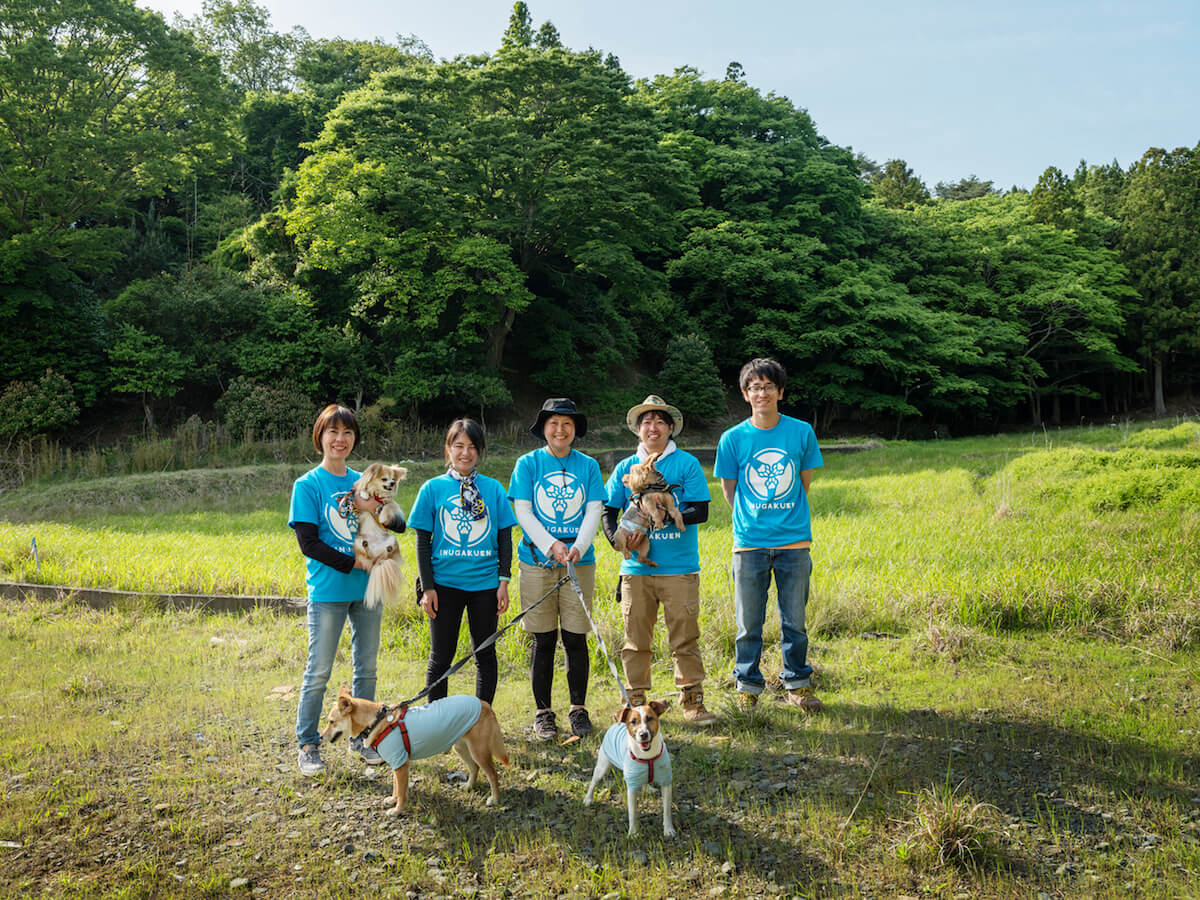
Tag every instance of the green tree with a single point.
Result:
(689, 378)
(519, 34)
(255, 57)
(1160, 242)
(457, 204)
(101, 104)
(968, 188)
(897, 187)
(142, 364)
(37, 407)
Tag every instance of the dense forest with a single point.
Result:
(212, 218)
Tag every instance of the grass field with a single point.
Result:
(1006, 632)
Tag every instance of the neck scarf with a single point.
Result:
(469, 494)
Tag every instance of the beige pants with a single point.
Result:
(561, 609)
(679, 597)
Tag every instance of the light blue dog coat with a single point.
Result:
(432, 729)
(637, 772)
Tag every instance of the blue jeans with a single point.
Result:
(751, 578)
(325, 621)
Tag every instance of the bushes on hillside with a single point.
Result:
(37, 407)
(266, 411)
(690, 381)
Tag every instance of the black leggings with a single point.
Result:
(480, 607)
(541, 666)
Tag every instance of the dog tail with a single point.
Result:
(384, 584)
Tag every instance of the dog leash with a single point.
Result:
(596, 631)
(487, 643)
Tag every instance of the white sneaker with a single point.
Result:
(366, 752)
(310, 761)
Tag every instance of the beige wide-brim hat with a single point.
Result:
(656, 403)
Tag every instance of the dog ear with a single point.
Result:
(625, 713)
(658, 706)
(651, 459)
(401, 472)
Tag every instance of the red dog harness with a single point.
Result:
(649, 762)
(395, 720)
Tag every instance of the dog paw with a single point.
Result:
(393, 811)
(668, 832)
(587, 801)
(492, 801)
(388, 801)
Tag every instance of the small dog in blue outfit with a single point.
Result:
(635, 746)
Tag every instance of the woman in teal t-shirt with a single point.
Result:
(464, 555)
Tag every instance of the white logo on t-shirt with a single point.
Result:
(770, 474)
(559, 497)
(459, 527)
(337, 523)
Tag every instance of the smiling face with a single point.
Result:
(763, 395)
(337, 441)
(559, 432)
(462, 454)
(654, 431)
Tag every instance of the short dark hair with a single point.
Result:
(472, 429)
(763, 368)
(661, 413)
(335, 414)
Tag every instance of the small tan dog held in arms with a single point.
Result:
(402, 734)
(375, 546)
(649, 507)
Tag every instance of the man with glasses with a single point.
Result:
(765, 465)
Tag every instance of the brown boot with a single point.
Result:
(694, 710)
(636, 698)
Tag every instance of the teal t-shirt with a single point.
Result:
(676, 552)
(466, 552)
(770, 508)
(560, 490)
(315, 500)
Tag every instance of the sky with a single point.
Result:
(996, 90)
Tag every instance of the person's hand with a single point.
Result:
(574, 555)
(502, 598)
(635, 540)
(429, 603)
(558, 550)
(370, 505)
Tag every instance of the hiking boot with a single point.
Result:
(366, 752)
(694, 710)
(745, 701)
(581, 722)
(804, 698)
(310, 761)
(544, 727)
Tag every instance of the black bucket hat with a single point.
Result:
(559, 406)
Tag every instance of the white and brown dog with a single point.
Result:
(375, 546)
(400, 735)
(635, 746)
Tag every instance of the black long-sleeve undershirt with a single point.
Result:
(311, 545)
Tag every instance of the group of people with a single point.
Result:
(463, 522)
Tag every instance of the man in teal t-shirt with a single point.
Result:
(765, 465)
(673, 582)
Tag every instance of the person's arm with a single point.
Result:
(429, 597)
(313, 547)
(612, 516)
(806, 479)
(534, 530)
(587, 530)
(695, 513)
(729, 489)
(504, 542)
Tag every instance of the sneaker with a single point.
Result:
(746, 701)
(366, 752)
(310, 761)
(805, 699)
(544, 727)
(581, 722)
(695, 711)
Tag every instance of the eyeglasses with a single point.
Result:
(768, 388)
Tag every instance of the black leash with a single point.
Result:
(491, 640)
